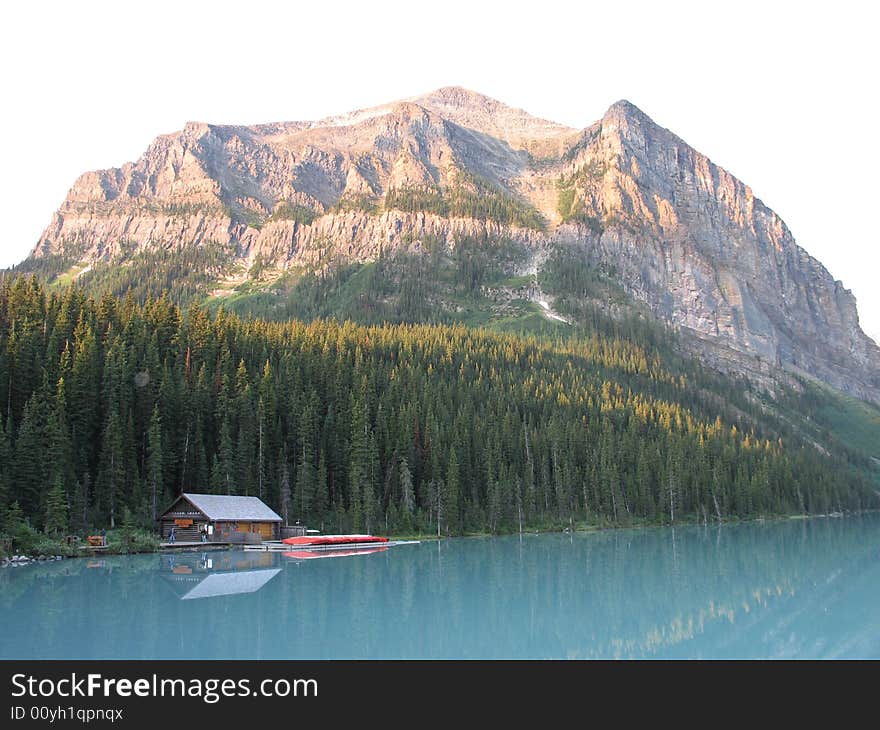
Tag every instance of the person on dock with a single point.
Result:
(171, 535)
(204, 533)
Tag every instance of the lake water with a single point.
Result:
(794, 588)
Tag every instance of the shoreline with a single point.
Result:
(582, 528)
(16, 560)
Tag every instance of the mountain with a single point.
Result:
(437, 315)
(233, 208)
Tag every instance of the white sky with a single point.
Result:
(783, 96)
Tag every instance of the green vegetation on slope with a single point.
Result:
(112, 406)
(852, 421)
(49, 267)
(360, 202)
(432, 285)
(287, 211)
(183, 273)
(839, 420)
(572, 193)
(471, 197)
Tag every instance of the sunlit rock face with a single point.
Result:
(683, 235)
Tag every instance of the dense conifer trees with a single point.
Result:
(110, 408)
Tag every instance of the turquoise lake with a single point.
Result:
(777, 589)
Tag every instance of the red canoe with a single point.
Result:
(316, 540)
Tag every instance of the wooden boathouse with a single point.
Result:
(226, 518)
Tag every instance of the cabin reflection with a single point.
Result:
(213, 574)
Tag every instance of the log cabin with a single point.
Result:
(227, 518)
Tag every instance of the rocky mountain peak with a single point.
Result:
(684, 236)
(625, 108)
(195, 129)
(632, 126)
(458, 97)
(489, 116)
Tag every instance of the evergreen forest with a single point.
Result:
(111, 404)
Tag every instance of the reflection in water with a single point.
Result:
(218, 574)
(795, 588)
(314, 554)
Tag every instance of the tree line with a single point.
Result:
(111, 408)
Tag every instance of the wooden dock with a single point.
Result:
(194, 545)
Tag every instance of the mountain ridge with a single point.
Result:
(686, 237)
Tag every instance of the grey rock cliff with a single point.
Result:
(685, 237)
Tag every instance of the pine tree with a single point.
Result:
(79, 504)
(368, 493)
(84, 393)
(155, 482)
(60, 453)
(672, 484)
(56, 509)
(29, 468)
(111, 479)
(225, 460)
(436, 506)
(284, 490)
(5, 461)
(359, 466)
(322, 493)
(407, 495)
(13, 519)
(452, 489)
(305, 472)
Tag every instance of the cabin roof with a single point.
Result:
(223, 507)
(227, 584)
